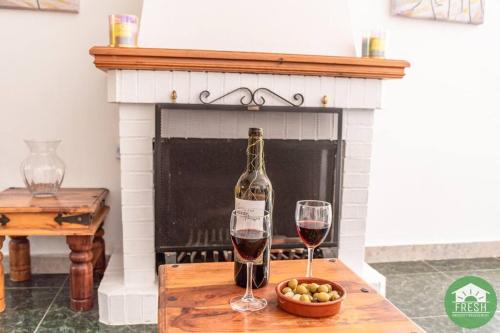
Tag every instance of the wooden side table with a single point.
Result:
(195, 298)
(76, 213)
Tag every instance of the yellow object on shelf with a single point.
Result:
(377, 45)
(123, 30)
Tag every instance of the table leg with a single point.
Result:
(2, 281)
(99, 249)
(80, 275)
(19, 258)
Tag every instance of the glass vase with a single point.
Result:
(43, 170)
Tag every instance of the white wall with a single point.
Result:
(436, 158)
(436, 154)
(289, 26)
(437, 146)
(49, 88)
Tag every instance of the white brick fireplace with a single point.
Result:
(128, 293)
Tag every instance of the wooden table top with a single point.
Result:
(195, 298)
(71, 212)
(67, 200)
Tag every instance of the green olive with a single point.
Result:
(323, 297)
(296, 297)
(313, 287)
(305, 285)
(301, 290)
(286, 290)
(322, 289)
(333, 295)
(289, 294)
(305, 298)
(329, 286)
(293, 283)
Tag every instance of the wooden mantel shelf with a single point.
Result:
(109, 58)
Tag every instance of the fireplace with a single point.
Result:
(194, 182)
(164, 107)
(321, 106)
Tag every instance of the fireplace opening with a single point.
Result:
(194, 181)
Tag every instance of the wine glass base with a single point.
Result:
(247, 304)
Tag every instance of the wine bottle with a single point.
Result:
(254, 192)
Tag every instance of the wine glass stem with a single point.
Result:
(310, 253)
(248, 292)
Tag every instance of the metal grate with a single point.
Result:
(185, 257)
(194, 175)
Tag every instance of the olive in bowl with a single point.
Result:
(310, 297)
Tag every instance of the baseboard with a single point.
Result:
(431, 252)
(45, 264)
(59, 263)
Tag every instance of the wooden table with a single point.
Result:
(76, 213)
(194, 298)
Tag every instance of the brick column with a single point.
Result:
(136, 150)
(357, 157)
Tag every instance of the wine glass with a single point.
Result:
(250, 233)
(313, 219)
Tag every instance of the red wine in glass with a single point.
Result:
(249, 243)
(313, 219)
(250, 233)
(312, 233)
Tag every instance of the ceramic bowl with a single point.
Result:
(311, 310)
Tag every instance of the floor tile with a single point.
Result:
(440, 324)
(145, 328)
(97, 282)
(28, 302)
(404, 267)
(127, 329)
(492, 327)
(20, 299)
(492, 276)
(25, 308)
(22, 321)
(465, 264)
(62, 319)
(443, 324)
(418, 295)
(62, 301)
(38, 281)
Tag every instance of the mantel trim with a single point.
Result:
(112, 58)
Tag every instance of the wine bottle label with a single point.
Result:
(254, 207)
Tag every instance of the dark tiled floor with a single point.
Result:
(41, 305)
(418, 288)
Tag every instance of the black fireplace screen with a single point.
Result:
(195, 179)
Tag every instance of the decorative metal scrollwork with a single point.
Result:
(299, 98)
(247, 93)
(255, 97)
(83, 219)
(4, 219)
